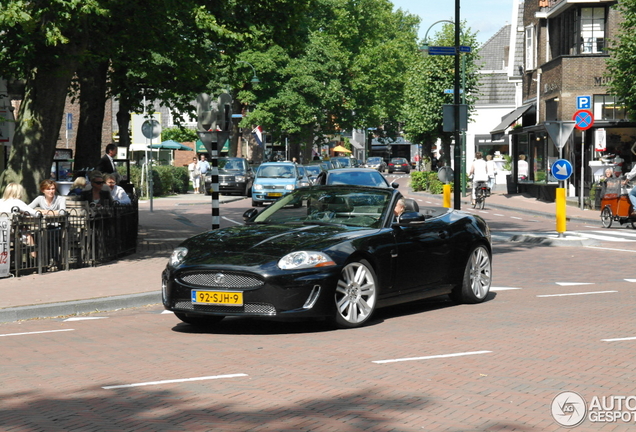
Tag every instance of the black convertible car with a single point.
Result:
(337, 252)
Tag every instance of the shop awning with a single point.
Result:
(498, 132)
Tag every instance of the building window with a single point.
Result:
(579, 30)
(530, 48)
(609, 107)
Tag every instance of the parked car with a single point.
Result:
(235, 176)
(276, 179)
(335, 252)
(399, 164)
(313, 171)
(376, 163)
(346, 162)
(355, 177)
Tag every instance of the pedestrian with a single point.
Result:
(522, 165)
(478, 172)
(195, 175)
(106, 164)
(491, 167)
(204, 167)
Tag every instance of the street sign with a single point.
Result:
(583, 102)
(464, 49)
(562, 169)
(584, 119)
(69, 121)
(559, 131)
(441, 50)
(452, 91)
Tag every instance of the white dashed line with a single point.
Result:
(174, 381)
(618, 339)
(577, 294)
(38, 332)
(430, 357)
(503, 288)
(83, 319)
(573, 283)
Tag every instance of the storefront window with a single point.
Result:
(608, 107)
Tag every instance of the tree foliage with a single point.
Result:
(427, 79)
(622, 62)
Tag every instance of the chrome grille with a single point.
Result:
(226, 178)
(248, 308)
(220, 280)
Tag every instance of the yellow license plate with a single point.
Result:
(218, 297)
(274, 194)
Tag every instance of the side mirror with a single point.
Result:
(249, 214)
(395, 185)
(408, 217)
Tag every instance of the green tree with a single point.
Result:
(622, 62)
(427, 79)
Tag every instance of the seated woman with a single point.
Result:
(79, 184)
(118, 193)
(98, 194)
(13, 200)
(49, 200)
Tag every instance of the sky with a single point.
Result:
(485, 17)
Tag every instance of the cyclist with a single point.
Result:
(478, 172)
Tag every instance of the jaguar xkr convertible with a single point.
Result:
(335, 252)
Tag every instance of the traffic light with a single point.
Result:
(206, 116)
(224, 119)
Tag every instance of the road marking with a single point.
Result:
(622, 233)
(83, 319)
(630, 280)
(515, 217)
(38, 332)
(618, 339)
(574, 283)
(608, 238)
(610, 249)
(430, 357)
(574, 294)
(503, 288)
(174, 381)
(497, 214)
(231, 220)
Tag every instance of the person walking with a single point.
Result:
(491, 167)
(106, 164)
(195, 175)
(204, 167)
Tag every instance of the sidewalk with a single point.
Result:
(124, 283)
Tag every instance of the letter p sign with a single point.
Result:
(583, 102)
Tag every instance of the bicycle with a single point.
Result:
(482, 191)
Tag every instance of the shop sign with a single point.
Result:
(600, 139)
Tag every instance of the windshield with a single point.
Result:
(359, 178)
(276, 171)
(231, 165)
(374, 160)
(312, 170)
(350, 206)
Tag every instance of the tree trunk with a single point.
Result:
(38, 127)
(123, 122)
(88, 148)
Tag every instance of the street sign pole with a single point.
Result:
(560, 132)
(584, 119)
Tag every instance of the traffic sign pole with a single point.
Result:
(584, 120)
(561, 170)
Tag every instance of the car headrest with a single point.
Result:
(410, 205)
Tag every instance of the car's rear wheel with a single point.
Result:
(477, 278)
(356, 295)
(199, 320)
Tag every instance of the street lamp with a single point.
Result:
(255, 79)
(458, 171)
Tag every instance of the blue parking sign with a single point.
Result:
(583, 102)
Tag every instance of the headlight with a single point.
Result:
(178, 255)
(240, 179)
(304, 259)
(258, 187)
(290, 187)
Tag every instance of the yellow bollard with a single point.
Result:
(447, 196)
(560, 210)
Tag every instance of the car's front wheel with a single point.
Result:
(475, 285)
(199, 320)
(356, 295)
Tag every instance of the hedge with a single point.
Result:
(166, 180)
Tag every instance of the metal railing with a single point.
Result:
(83, 235)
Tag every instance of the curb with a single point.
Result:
(52, 310)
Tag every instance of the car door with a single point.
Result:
(423, 255)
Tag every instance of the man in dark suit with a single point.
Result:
(106, 164)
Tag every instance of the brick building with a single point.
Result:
(564, 70)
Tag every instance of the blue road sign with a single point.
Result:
(69, 121)
(562, 169)
(583, 102)
(452, 91)
(441, 50)
(464, 49)
(584, 119)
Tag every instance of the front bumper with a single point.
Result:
(301, 293)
